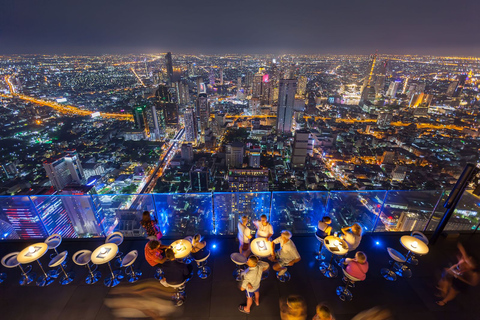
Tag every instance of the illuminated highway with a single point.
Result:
(67, 109)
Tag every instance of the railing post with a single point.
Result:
(214, 220)
(270, 209)
(433, 212)
(381, 210)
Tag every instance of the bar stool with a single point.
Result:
(283, 277)
(83, 258)
(179, 296)
(420, 236)
(128, 261)
(342, 292)
(239, 260)
(397, 266)
(319, 255)
(117, 238)
(10, 261)
(189, 258)
(53, 242)
(58, 261)
(203, 271)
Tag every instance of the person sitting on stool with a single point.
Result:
(287, 255)
(154, 253)
(358, 266)
(324, 229)
(174, 272)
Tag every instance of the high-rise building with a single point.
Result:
(234, 154)
(169, 66)
(254, 157)
(451, 88)
(461, 83)
(65, 169)
(187, 152)
(248, 180)
(140, 118)
(191, 126)
(300, 148)
(21, 215)
(181, 91)
(302, 85)
(257, 85)
(420, 100)
(392, 89)
(221, 76)
(286, 99)
(155, 119)
(203, 112)
(380, 78)
(368, 90)
(167, 106)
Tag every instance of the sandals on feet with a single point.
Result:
(242, 309)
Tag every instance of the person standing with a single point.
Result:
(293, 308)
(287, 255)
(244, 236)
(150, 226)
(264, 228)
(251, 282)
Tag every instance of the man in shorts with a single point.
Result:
(251, 282)
(287, 255)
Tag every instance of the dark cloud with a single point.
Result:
(248, 26)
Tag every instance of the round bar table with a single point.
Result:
(336, 246)
(33, 253)
(261, 247)
(104, 254)
(181, 248)
(414, 246)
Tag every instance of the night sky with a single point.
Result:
(437, 27)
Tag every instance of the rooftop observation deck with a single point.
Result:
(218, 297)
(85, 220)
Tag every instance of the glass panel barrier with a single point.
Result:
(123, 212)
(347, 207)
(184, 214)
(439, 212)
(467, 214)
(407, 210)
(298, 212)
(229, 207)
(54, 215)
(19, 214)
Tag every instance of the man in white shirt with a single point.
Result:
(251, 282)
(287, 255)
(264, 228)
(244, 236)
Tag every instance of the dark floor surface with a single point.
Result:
(218, 296)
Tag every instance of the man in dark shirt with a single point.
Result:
(174, 272)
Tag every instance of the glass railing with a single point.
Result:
(179, 215)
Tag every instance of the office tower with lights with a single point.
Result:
(140, 118)
(257, 85)
(254, 157)
(300, 148)
(191, 126)
(54, 215)
(384, 119)
(169, 66)
(168, 106)
(234, 154)
(286, 99)
(181, 92)
(248, 180)
(368, 91)
(199, 177)
(461, 83)
(155, 121)
(203, 112)
(392, 89)
(65, 169)
(380, 78)
(451, 88)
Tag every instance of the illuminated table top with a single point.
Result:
(181, 248)
(105, 253)
(32, 253)
(261, 247)
(414, 245)
(336, 245)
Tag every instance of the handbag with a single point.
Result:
(158, 232)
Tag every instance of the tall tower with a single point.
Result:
(203, 112)
(257, 85)
(380, 78)
(286, 98)
(168, 107)
(64, 170)
(191, 127)
(169, 66)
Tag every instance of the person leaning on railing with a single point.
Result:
(150, 226)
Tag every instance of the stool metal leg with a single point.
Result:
(3, 276)
(113, 280)
(285, 277)
(203, 271)
(328, 269)
(93, 276)
(43, 280)
(134, 275)
(237, 274)
(67, 277)
(320, 256)
(389, 274)
(27, 276)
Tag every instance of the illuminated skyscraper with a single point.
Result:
(169, 66)
(257, 85)
(300, 147)
(368, 91)
(191, 126)
(187, 152)
(203, 112)
(168, 107)
(286, 98)
(155, 120)
(392, 89)
(461, 83)
(451, 88)
(65, 169)
(140, 118)
(380, 78)
(19, 212)
(302, 85)
(234, 154)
